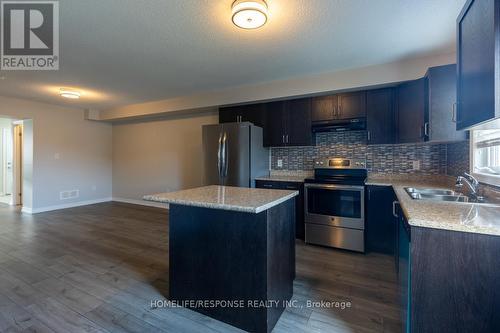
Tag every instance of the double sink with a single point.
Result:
(444, 195)
(436, 194)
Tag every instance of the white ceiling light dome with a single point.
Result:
(68, 93)
(249, 14)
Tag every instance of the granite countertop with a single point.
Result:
(283, 178)
(248, 200)
(464, 217)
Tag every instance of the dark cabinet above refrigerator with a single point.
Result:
(253, 113)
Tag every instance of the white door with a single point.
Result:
(8, 158)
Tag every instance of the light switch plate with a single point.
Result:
(280, 163)
(416, 165)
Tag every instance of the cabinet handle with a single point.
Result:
(369, 136)
(426, 129)
(454, 113)
(283, 139)
(394, 203)
(287, 139)
(268, 185)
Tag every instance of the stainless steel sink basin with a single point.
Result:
(436, 194)
(430, 191)
(444, 195)
(437, 197)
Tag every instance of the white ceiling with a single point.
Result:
(120, 52)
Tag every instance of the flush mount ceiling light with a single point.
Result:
(67, 93)
(250, 14)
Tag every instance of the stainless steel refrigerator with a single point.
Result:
(234, 154)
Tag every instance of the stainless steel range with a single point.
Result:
(335, 204)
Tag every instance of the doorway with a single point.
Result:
(11, 162)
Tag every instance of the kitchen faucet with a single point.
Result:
(472, 183)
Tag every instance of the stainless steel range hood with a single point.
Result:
(354, 124)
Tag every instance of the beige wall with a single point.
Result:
(69, 153)
(158, 156)
(369, 76)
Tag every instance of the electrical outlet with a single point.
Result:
(416, 165)
(280, 163)
(65, 195)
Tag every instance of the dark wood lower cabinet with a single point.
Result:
(299, 201)
(380, 223)
(218, 256)
(450, 281)
(403, 268)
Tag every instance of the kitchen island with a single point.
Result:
(232, 253)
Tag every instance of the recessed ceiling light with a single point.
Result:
(249, 14)
(67, 93)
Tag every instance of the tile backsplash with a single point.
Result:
(458, 158)
(381, 159)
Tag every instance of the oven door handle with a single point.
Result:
(335, 187)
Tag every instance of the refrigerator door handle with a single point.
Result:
(225, 155)
(219, 157)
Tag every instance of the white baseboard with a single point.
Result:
(28, 210)
(141, 202)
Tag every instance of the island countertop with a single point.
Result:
(241, 199)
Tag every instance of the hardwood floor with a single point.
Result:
(97, 269)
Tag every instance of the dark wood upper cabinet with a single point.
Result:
(324, 108)
(351, 105)
(275, 130)
(299, 122)
(288, 123)
(441, 108)
(254, 113)
(380, 116)
(478, 60)
(410, 116)
(340, 106)
(229, 114)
